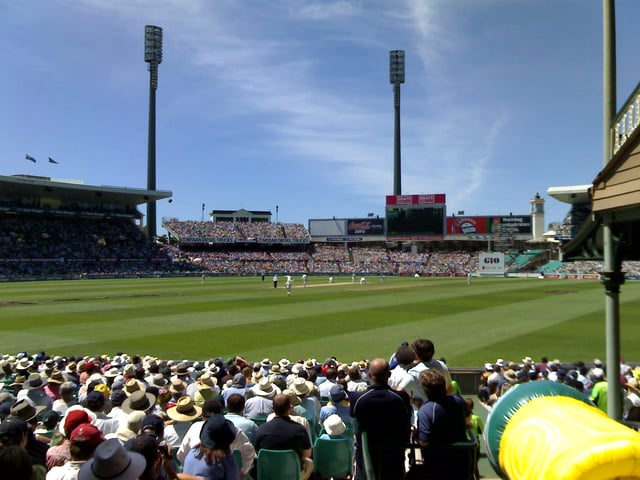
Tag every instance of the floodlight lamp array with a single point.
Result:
(396, 66)
(152, 44)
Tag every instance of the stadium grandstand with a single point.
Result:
(61, 229)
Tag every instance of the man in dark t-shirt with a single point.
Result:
(385, 415)
(282, 433)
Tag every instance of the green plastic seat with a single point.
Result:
(259, 420)
(333, 457)
(237, 456)
(369, 473)
(278, 465)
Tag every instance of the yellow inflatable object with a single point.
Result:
(561, 438)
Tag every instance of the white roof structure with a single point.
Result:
(572, 195)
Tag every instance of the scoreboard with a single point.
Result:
(416, 217)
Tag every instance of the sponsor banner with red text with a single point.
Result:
(419, 199)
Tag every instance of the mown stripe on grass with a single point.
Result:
(242, 316)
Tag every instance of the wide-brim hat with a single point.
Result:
(26, 409)
(633, 385)
(24, 364)
(35, 381)
(275, 369)
(217, 433)
(265, 363)
(284, 363)
(70, 367)
(132, 385)
(95, 379)
(511, 376)
(139, 400)
(129, 370)
(57, 377)
(182, 370)
(111, 461)
(19, 380)
(294, 399)
(184, 410)
(157, 379)
(264, 388)
(177, 386)
(206, 381)
(300, 386)
(112, 372)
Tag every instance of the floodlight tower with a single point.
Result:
(153, 56)
(396, 76)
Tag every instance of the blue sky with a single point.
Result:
(288, 102)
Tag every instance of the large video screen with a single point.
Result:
(415, 220)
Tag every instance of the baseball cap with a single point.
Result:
(153, 424)
(12, 430)
(87, 434)
(73, 419)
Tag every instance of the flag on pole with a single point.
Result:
(30, 158)
(51, 160)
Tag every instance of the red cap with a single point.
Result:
(87, 434)
(73, 419)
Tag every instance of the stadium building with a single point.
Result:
(52, 228)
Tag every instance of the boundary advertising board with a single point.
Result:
(491, 263)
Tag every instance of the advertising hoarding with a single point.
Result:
(365, 226)
(491, 263)
(496, 225)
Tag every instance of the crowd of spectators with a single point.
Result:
(41, 245)
(333, 259)
(122, 397)
(200, 231)
(630, 268)
(589, 379)
(34, 245)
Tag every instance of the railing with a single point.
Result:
(626, 122)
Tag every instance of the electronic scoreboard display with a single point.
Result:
(416, 216)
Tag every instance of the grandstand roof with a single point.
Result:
(572, 194)
(20, 186)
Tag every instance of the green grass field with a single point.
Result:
(181, 318)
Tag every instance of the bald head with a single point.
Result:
(281, 405)
(379, 371)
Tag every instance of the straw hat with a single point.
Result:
(131, 386)
(177, 386)
(185, 410)
(301, 386)
(57, 377)
(206, 381)
(264, 388)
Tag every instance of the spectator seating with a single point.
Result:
(333, 457)
(278, 465)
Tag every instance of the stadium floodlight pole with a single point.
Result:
(612, 277)
(396, 76)
(153, 56)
